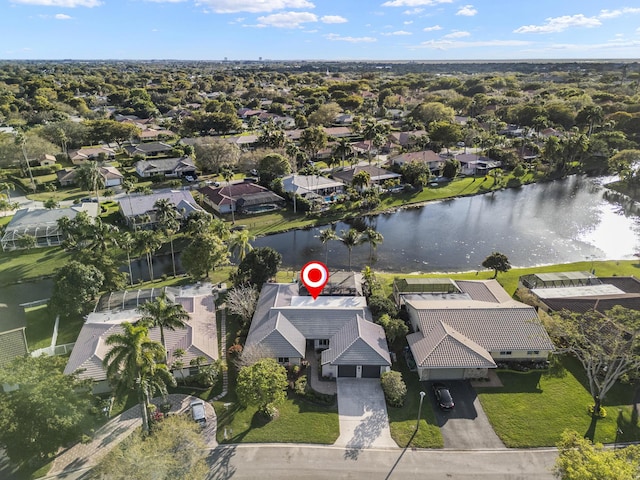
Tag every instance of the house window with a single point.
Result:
(323, 343)
(194, 371)
(283, 359)
(533, 352)
(505, 352)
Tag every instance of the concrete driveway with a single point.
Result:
(363, 414)
(466, 427)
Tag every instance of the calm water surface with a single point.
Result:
(569, 220)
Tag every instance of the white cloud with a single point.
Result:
(253, 6)
(604, 14)
(408, 22)
(413, 11)
(62, 16)
(451, 44)
(560, 24)
(413, 3)
(339, 38)
(61, 3)
(166, 1)
(432, 29)
(457, 34)
(287, 19)
(467, 11)
(397, 33)
(333, 19)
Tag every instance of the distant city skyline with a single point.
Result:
(319, 30)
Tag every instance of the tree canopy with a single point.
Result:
(263, 385)
(259, 265)
(498, 262)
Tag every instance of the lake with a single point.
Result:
(569, 220)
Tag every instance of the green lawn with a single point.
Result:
(39, 327)
(298, 422)
(402, 421)
(534, 408)
(20, 265)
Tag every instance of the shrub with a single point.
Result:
(394, 388)
(380, 305)
(300, 385)
(235, 349)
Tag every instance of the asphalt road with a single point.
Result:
(295, 462)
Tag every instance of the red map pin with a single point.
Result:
(315, 276)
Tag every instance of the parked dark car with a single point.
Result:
(443, 396)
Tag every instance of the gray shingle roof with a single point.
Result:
(358, 342)
(133, 205)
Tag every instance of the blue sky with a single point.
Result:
(319, 29)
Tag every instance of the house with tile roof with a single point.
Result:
(288, 327)
(138, 210)
(169, 167)
(378, 175)
(312, 186)
(582, 291)
(111, 175)
(474, 164)
(78, 157)
(428, 157)
(149, 149)
(465, 331)
(197, 339)
(240, 197)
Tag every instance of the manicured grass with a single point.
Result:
(5, 220)
(39, 327)
(298, 422)
(534, 408)
(20, 265)
(402, 421)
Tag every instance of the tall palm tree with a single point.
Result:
(325, 236)
(343, 149)
(131, 360)
(292, 151)
(21, 140)
(240, 243)
(227, 174)
(126, 242)
(373, 238)
(351, 238)
(163, 313)
(168, 222)
(102, 236)
(147, 242)
(89, 177)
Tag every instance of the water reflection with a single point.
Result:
(556, 222)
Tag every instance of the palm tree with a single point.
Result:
(102, 236)
(126, 242)
(147, 242)
(167, 220)
(325, 236)
(89, 177)
(7, 187)
(227, 174)
(239, 243)
(343, 149)
(178, 364)
(130, 362)
(373, 238)
(21, 140)
(351, 238)
(163, 313)
(292, 151)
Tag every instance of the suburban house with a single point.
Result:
(246, 197)
(290, 327)
(582, 291)
(405, 139)
(473, 164)
(198, 339)
(428, 157)
(312, 186)
(42, 224)
(111, 175)
(139, 210)
(169, 167)
(464, 328)
(78, 157)
(150, 149)
(378, 175)
(46, 160)
(154, 134)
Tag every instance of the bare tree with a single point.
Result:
(250, 355)
(242, 301)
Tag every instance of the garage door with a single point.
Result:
(370, 371)
(346, 370)
(446, 374)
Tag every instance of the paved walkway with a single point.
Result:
(323, 386)
(363, 416)
(223, 351)
(85, 455)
